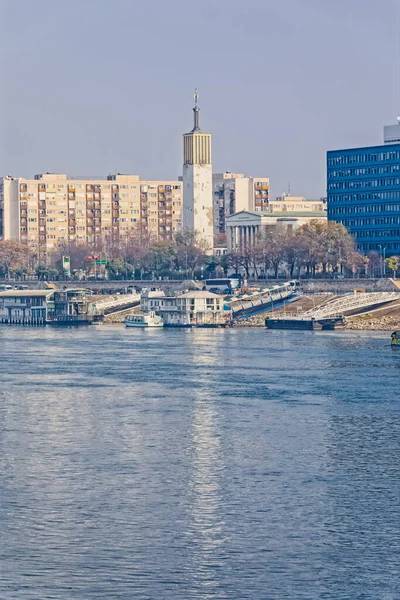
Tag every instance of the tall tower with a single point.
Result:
(197, 212)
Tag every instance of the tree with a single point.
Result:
(161, 256)
(270, 247)
(13, 256)
(78, 254)
(191, 250)
(45, 272)
(393, 262)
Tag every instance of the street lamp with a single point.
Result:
(383, 255)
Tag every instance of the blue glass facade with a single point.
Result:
(363, 192)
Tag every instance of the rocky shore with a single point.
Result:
(361, 323)
(369, 323)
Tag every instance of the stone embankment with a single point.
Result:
(118, 317)
(370, 323)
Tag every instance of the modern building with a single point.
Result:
(234, 192)
(195, 308)
(51, 208)
(363, 189)
(197, 211)
(244, 227)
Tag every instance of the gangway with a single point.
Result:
(115, 303)
(352, 304)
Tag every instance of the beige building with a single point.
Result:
(244, 227)
(49, 209)
(234, 192)
(296, 204)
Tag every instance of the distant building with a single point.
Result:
(244, 227)
(296, 204)
(363, 189)
(197, 212)
(391, 133)
(234, 192)
(49, 209)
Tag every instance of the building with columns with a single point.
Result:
(244, 227)
(234, 192)
(197, 209)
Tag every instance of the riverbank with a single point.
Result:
(360, 323)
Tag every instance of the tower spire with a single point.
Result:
(196, 111)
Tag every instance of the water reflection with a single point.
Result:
(196, 465)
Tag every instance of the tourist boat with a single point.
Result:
(144, 320)
(395, 339)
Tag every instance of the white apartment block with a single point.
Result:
(49, 209)
(234, 192)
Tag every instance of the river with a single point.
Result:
(209, 464)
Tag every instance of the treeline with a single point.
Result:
(315, 248)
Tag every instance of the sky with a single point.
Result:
(92, 87)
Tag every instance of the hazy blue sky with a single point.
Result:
(97, 86)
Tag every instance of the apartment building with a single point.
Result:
(234, 192)
(52, 208)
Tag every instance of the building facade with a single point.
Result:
(49, 209)
(363, 190)
(244, 227)
(195, 308)
(296, 204)
(197, 210)
(234, 192)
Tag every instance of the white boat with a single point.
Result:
(144, 320)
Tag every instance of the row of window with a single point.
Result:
(371, 221)
(364, 183)
(364, 171)
(374, 208)
(364, 196)
(376, 233)
(364, 157)
(371, 246)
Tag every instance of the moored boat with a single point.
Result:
(144, 320)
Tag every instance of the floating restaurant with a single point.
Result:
(197, 308)
(39, 307)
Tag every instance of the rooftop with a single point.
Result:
(25, 293)
(199, 294)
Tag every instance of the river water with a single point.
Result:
(183, 464)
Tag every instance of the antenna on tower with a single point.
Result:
(196, 111)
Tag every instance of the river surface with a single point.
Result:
(197, 465)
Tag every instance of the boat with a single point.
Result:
(304, 323)
(144, 320)
(395, 339)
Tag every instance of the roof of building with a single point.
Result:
(199, 294)
(292, 214)
(25, 293)
(296, 213)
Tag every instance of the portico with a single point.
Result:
(244, 227)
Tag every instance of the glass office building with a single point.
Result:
(363, 186)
